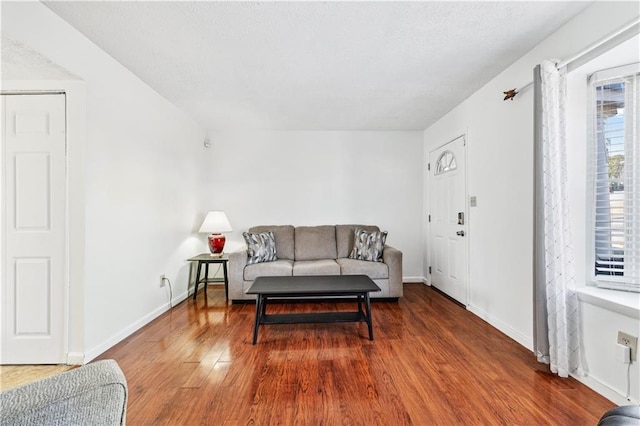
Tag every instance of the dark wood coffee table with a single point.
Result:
(298, 287)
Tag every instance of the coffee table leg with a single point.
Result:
(369, 322)
(259, 303)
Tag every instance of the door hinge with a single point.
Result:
(428, 166)
(429, 270)
(429, 218)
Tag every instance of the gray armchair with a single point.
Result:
(94, 394)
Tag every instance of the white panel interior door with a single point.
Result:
(447, 207)
(33, 229)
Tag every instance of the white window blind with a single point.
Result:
(615, 177)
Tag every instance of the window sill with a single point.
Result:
(622, 302)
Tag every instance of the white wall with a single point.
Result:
(500, 174)
(320, 178)
(142, 182)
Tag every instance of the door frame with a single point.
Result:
(469, 234)
(76, 134)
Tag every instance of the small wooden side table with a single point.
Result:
(206, 259)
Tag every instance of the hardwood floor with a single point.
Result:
(431, 363)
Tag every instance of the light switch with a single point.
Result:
(473, 201)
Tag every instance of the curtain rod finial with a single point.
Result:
(510, 94)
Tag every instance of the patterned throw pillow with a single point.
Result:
(260, 247)
(368, 245)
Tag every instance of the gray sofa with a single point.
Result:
(316, 250)
(94, 394)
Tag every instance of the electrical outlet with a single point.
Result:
(163, 278)
(630, 341)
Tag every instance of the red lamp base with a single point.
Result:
(216, 244)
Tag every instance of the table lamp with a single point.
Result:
(216, 222)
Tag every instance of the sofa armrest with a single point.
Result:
(392, 257)
(237, 262)
(94, 394)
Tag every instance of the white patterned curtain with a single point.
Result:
(556, 334)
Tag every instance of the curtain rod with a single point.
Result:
(622, 34)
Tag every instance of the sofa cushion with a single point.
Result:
(368, 245)
(316, 267)
(277, 268)
(315, 242)
(261, 247)
(345, 235)
(284, 239)
(374, 270)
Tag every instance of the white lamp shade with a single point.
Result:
(215, 222)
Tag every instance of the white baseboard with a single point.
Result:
(75, 358)
(525, 341)
(605, 390)
(127, 331)
(412, 279)
(179, 298)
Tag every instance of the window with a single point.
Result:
(446, 163)
(615, 175)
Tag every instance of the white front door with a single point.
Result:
(33, 229)
(448, 219)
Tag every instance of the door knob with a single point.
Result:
(461, 233)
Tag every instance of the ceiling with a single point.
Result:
(317, 65)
